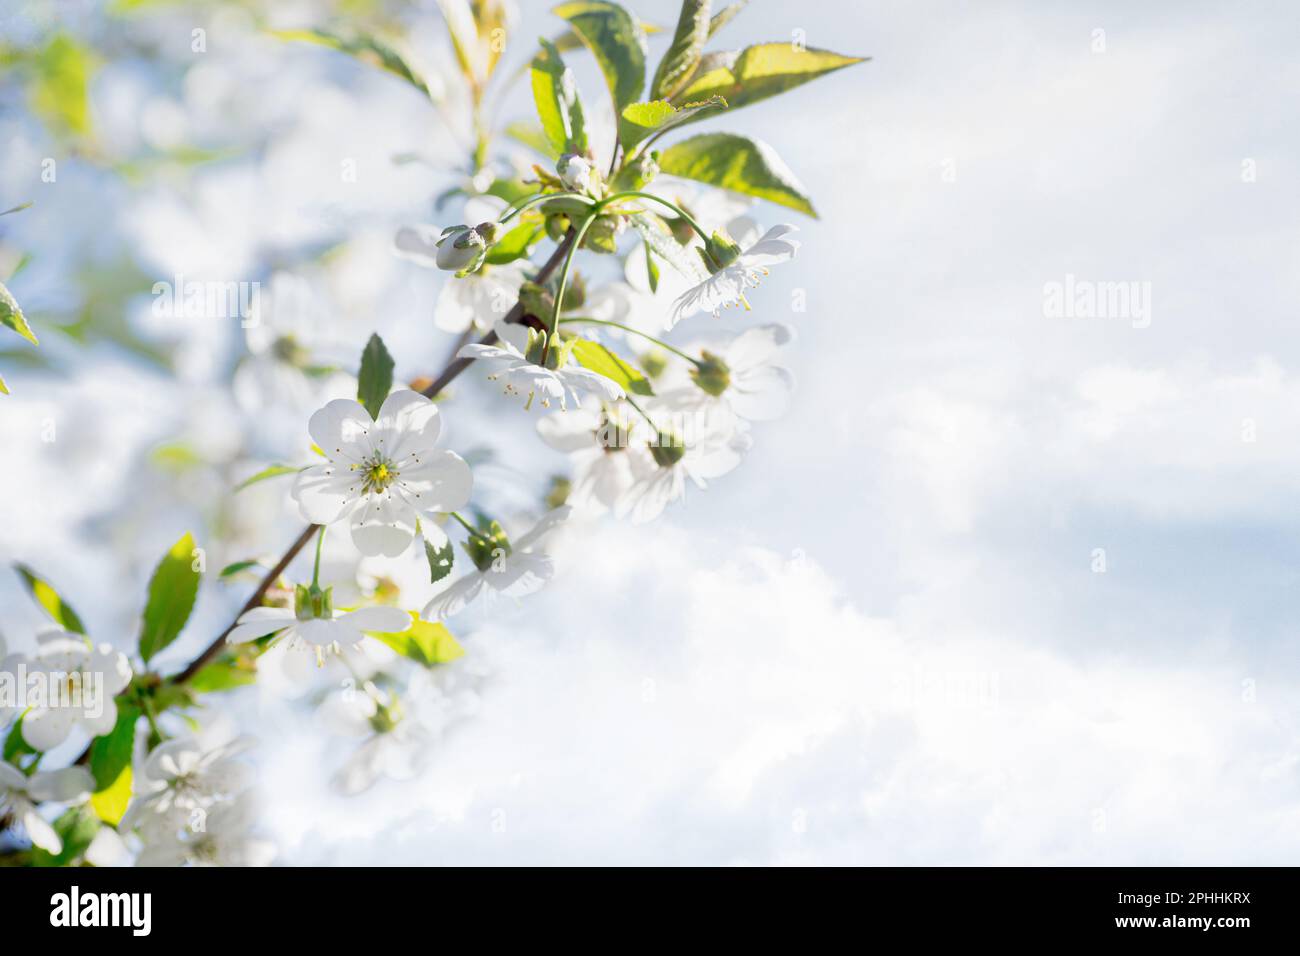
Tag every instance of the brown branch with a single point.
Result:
(453, 369)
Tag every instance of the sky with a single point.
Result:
(1003, 586)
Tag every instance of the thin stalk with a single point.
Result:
(582, 320)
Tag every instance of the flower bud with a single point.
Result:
(462, 248)
(721, 249)
(712, 374)
(575, 171)
(667, 449)
(313, 602)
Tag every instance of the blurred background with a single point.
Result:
(1007, 584)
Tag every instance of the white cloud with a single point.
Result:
(740, 710)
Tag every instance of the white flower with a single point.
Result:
(334, 630)
(741, 374)
(180, 775)
(714, 446)
(220, 836)
(478, 299)
(529, 366)
(80, 682)
(597, 442)
(513, 568)
(19, 795)
(744, 268)
(382, 474)
(459, 249)
(397, 733)
(575, 171)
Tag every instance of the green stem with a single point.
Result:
(465, 524)
(315, 574)
(147, 706)
(518, 207)
(568, 264)
(618, 325)
(642, 411)
(637, 194)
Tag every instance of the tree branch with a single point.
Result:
(453, 369)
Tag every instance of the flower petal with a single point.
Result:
(324, 492)
(383, 524)
(442, 481)
(385, 620)
(419, 244)
(259, 622)
(407, 421)
(455, 598)
(68, 785)
(341, 429)
(46, 729)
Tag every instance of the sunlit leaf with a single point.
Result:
(617, 41)
(737, 163)
(595, 357)
(368, 49)
(110, 765)
(640, 120)
(559, 106)
(60, 86)
(683, 53)
(271, 471)
(725, 16)
(172, 590)
(49, 599)
(423, 642)
(758, 72)
(12, 317)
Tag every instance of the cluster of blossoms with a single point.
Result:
(586, 351)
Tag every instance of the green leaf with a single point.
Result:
(375, 380)
(60, 88)
(597, 358)
(271, 471)
(737, 163)
(533, 136)
(110, 765)
(49, 599)
(559, 105)
(761, 71)
(172, 590)
(463, 32)
(683, 54)
(76, 828)
(440, 559)
(640, 120)
(518, 242)
(425, 643)
(26, 205)
(228, 672)
(725, 16)
(12, 316)
(233, 569)
(618, 42)
(366, 48)
(4, 389)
